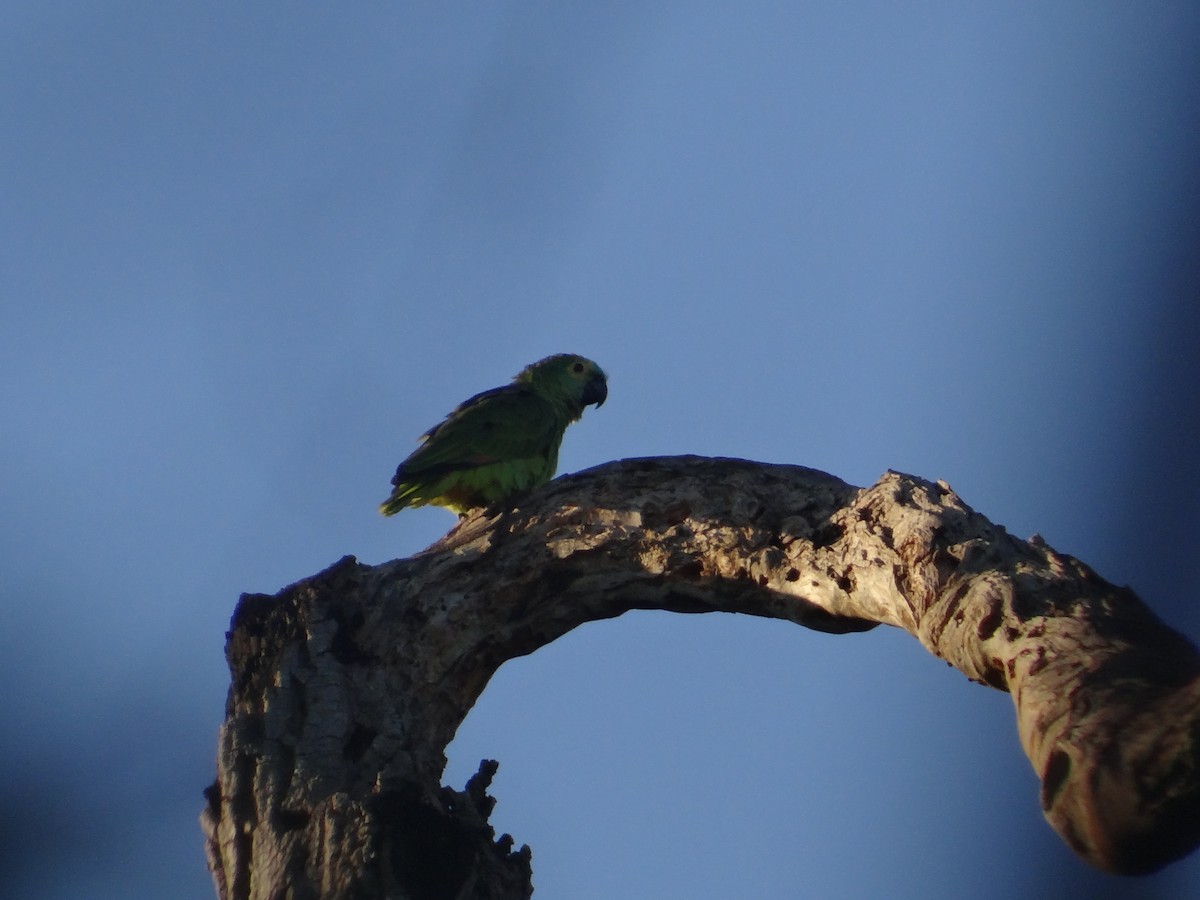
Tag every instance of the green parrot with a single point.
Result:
(502, 443)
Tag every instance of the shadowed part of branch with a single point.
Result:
(347, 687)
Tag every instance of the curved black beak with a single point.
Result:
(595, 391)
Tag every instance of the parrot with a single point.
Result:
(499, 444)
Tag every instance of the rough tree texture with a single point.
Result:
(347, 687)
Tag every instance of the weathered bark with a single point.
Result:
(348, 686)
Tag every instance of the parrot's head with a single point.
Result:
(576, 377)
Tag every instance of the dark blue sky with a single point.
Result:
(248, 253)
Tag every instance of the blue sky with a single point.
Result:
(249, 253)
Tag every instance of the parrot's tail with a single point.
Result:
(401, 497)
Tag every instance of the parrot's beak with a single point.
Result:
(595, 391)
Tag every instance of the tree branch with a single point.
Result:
(347, 687)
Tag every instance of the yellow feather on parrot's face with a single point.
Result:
(502, 443)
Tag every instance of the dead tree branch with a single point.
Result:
(347, 687)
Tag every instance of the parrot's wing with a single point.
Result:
(505, 423)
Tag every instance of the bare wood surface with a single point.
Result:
(347, 687)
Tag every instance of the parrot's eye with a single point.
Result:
(577, 368)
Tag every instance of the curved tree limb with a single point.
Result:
(347, 687)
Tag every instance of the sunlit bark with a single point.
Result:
(347, 687)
